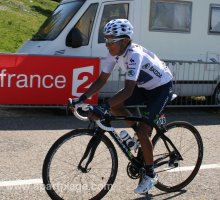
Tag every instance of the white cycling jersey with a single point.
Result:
(140, 65)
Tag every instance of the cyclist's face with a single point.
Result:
(116, 46)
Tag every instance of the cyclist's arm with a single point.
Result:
(123, 94)
(97, 84)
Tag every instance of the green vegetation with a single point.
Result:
(20, 19)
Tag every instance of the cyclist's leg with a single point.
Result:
(143, 130)
(120, 110)
(137, 98)
(157, 100)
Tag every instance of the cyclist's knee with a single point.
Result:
(118, 109)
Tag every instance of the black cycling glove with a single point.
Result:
(81, 99)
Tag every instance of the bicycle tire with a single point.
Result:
(188, 141)
(60, 184)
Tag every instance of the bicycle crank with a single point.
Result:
(132, 171)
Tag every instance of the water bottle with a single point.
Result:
(127, 140)
(136, 140)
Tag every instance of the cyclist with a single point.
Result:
(148, 80)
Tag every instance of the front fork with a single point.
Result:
(90, 151)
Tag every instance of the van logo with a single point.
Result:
(82, 79)
(60, 52)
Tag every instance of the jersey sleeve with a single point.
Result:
(134, 66)
(108, 64)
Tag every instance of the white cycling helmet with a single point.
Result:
(118, 27)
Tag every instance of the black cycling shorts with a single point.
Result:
(155, 101)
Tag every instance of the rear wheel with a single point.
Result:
(176, 173)
(64, 179)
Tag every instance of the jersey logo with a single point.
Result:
(152, 69)
(156, 72)
(131, 73)
(146, 66)
(132, 62)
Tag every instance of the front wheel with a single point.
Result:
(64, 176)
(177, 169)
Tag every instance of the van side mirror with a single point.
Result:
(74, 38)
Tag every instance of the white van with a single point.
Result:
(173, 29)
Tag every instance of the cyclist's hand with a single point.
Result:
(72, 102)
(99, 111)
(75, 101)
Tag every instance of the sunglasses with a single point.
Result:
(110, 41)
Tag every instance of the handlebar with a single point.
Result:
(87, 107)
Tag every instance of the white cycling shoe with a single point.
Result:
(146, 184)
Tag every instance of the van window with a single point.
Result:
(110, 12)
(60, 17)
(85, 23)
(214, 19)
(169, 15)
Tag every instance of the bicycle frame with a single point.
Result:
(104, 125)
(90, 151)
(159, 130)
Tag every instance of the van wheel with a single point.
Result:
(216, 96)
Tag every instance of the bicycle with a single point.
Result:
(91, 171)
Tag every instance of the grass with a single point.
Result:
(20, 19)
